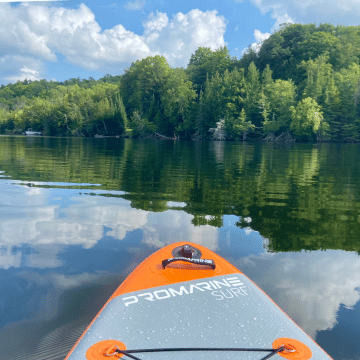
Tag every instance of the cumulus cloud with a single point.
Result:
(179, 37)
(345, 12)
(40, 33)
(259, 38)
(310, 287)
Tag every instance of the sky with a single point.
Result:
(59, 40)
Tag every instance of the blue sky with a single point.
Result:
(58, 40)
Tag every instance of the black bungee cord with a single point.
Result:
(129, 352)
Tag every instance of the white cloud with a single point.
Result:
(179, 37)
(345, 12)
(21, 32)
(155, 23)
(48, 228)
(308, 286)
(15, 67)
(176, 226)
(135, 5)
(40, 32)
(259, 37)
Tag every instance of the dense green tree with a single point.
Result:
(205, 63)
(224, 98)
(345, 125)
(176, 96)
(347, 49)
(238, 127)
(249, 56)
(319, 43)
(307, 119)
(253, 94)
(142, 84)
(293, 43)
(141, 126)
(279, 97)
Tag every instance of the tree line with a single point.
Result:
(303, 84)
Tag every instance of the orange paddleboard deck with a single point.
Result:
(186, 302)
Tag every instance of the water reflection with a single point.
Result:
(81, 220)
(298, 196)
(53, 256)
(311, 287)
(75, 222)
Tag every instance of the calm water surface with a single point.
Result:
(78, 215)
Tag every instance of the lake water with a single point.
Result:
(78, 215)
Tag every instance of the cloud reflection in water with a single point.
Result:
(38, 225)
(308, 286)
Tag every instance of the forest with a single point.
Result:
(303, 84)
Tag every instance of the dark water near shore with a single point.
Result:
(78, 215)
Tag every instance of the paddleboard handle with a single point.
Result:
(186, 251)
(203, 262)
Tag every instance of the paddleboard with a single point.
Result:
(186, 302)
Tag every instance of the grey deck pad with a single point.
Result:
(223, 311)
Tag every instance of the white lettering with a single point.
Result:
(206, 286)
(149, 296)
(243, 289)
(167, 294)
(214, 293)
(228, 297)
(219, 283)
(213, 285)
(135, 300)
(182, 290)
(237, 292)
(234, 281)
(192, 287)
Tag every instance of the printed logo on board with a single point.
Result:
(228, 288)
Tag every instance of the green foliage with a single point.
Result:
(307, 119)
(345, 125)
(224, 98)
(253, 94)
(142, 84)
(163, 95)
(294, 43)
(265, 94)
(204, 64)
(239, 127)
(176, 96)
(276, 101)
(141, 126)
